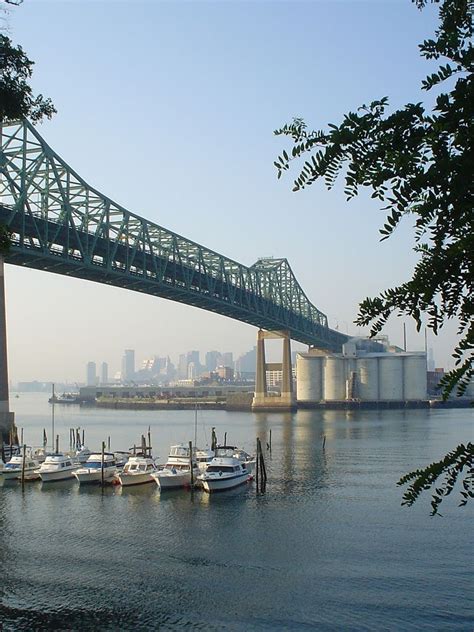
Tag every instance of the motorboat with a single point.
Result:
(13, 468)
(224, 472)
(137, 470)
(244, 457)
(92, 470)
(177, 471)
(57, 467)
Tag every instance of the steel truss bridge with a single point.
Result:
(61, 224)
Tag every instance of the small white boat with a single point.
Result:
(57, 467)
(13, 468)
(92, 470)
(176, 472)
(137, 470)
(244, 457)
(224, 472)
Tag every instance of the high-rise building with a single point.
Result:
(193, 356)
(128, 365)
(246, 364)
(91, 371)
(182, 366)
(104, 373)
(213, 360)
(227, 359)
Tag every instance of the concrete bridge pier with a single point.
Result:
(262, 400)
(6, 417)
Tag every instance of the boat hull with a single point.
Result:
(127, 480)
(174, 481)
(95, 477)
(50, 477)
(215, 484)
(30, 474)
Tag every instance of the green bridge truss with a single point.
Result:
(61, 224)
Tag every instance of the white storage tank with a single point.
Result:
(414, 376)
(334, 378)
(309, 381)
(368, 379)
(391, 377)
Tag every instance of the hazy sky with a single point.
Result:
(169, 109)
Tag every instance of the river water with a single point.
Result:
(328, 547)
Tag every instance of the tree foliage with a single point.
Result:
(16, 96)
(452, 465)
(418, 163)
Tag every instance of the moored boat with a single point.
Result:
(57, 467)
(177, 471)
(92, 470)
(137, 470)
(224, 472)
(13, 469)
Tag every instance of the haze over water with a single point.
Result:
(328, 547)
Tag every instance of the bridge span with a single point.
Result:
(61, 224)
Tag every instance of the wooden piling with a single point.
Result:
(108, 444)
(225, 438)
(83, 435)
(102, 478)
(324, 441)
(270, 442)
(191, 463)
(256, 468)
(57, 444)
(23, 465)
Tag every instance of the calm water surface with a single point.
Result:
(328, 547)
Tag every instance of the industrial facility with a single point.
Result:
(366, 371)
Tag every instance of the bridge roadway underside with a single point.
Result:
(153, 274)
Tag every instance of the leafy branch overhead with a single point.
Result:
(452, 465)
(418, 162)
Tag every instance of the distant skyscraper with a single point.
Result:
(183, 366)
(128, 365)
(212, 360)
(227, 359)
(104, 373)
(91, 378)
(431, 361)
(246, 364)
(191, 371)
(193, 356)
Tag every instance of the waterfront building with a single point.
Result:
(358, 374)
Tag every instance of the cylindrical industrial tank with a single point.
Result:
(368, 379)
(309, 378)
(334, 378)
(391, 377)
(414, 376)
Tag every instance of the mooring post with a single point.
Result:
(191, 463)
(102, 464)
(270, 439)
(256, 468)
(23, 464)
(57, 444)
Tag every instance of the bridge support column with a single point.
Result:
(6, 417)
(262, 400)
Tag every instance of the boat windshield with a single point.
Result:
(93, 465)
(220, 468)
